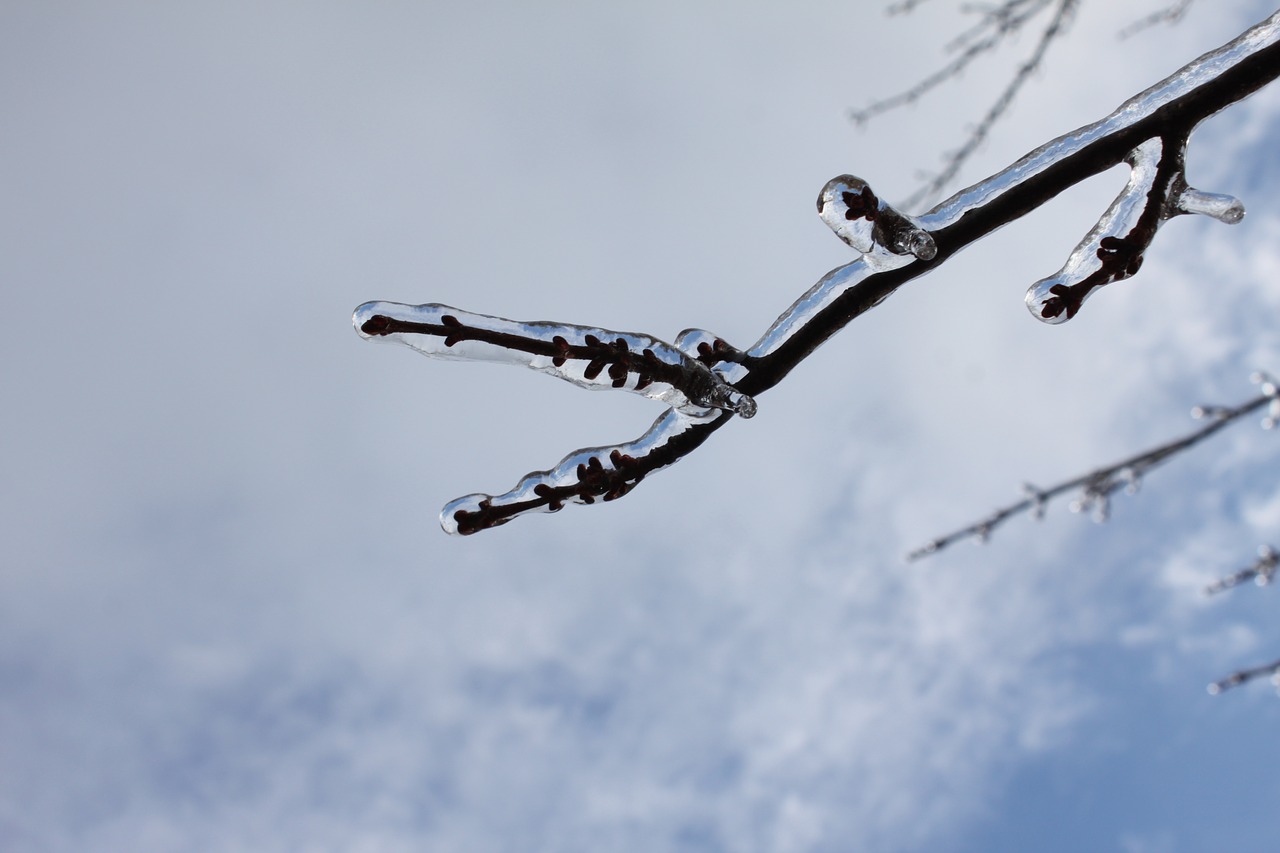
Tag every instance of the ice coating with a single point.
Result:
(861, 219)
(584, 476)
(587, 357)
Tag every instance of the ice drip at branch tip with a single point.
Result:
(916, 241)
(448, 515)
(851, 209)
(362, 315)
(1224, 208)
(1045, 303)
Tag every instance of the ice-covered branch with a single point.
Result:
(1244, 676)
(1261, 572)
(1095, 488)
(1113, 250)
(705, 381)
(587, 357)
(587, 475)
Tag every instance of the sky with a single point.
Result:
(229, 619)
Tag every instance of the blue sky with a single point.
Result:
(229, 619)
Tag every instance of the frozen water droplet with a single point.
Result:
(1273, 414)
(1052, 301)
(915, 241)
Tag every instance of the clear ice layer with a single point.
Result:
(587, 357)
(583, 477)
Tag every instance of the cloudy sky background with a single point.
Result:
(229, 619)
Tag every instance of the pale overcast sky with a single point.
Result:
(229, 619)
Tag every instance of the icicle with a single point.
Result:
(1224, 208)
(850, 208)
(587, 357)
(582, 477)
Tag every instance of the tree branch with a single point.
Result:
(1244, 676)
(1097, 486)
(901, 249)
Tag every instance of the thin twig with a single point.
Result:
(1244, 676)
(1098, 485)
(1170, 14)
(1261, 572)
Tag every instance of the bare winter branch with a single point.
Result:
(937, 183)
(1261, 572)
(1244, 676)
(1170, 14)
(901, 248)
(1096, 487)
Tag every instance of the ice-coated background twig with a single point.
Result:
(1097, 486)
(998, 24)
(1170, 14)
(1261, 572)
(1243, 676)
